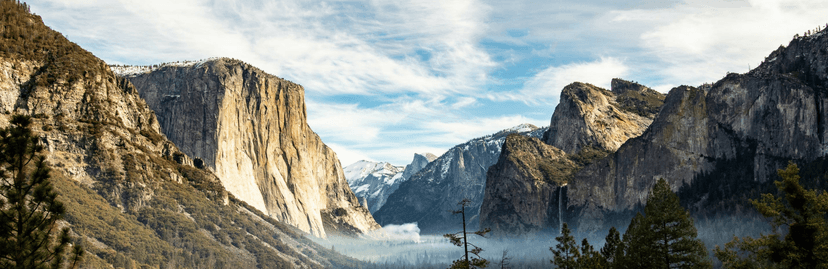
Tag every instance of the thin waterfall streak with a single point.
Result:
(560, 215)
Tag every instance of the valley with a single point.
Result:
(214, 164)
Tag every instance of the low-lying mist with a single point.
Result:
(404, 246)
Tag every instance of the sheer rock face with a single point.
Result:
(525, 189)
(522, 195)
(430, 195)
(251, 129)
(770, 115)
(591, 116)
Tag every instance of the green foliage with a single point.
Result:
(664, 236)
(645, 103)
(25, 37)
(566, 253)
(591, 258)
(29, 210)
(460, 239)
(800, 233)
(587, 155)
(612, 246)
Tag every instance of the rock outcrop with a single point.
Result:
(250, 127)
(522, 187)
(589, 116)
(759, 120)
(418, 163)
(129, 192)
(373, 182)
(525, 190)
(430, 195)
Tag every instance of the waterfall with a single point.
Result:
(560, 214)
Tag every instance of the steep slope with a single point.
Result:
(132, 198)
(744, 126)
(418, 163)
(525, 188)
(250, 127)
(373, 182)
(521, 186)
(431, 194)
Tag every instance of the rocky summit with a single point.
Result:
(589, 116)
(525, 189)
(754, 123)
(251, 128)
(430, 195)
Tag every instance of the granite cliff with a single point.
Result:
(429, 195)
(589, 116)
(520, 187)
(250, 127)
(133, 199)
(716, 142)
(525, 189)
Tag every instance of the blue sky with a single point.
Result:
(386, 79)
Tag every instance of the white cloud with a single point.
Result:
(408, 231)
(700, 41)
(422, 70)
(362, 47)
(546, 86)
(393, 132)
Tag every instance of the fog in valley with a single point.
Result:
(404, 246)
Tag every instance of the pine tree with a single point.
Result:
(590, 258)
(460, 239)
(612, 246)
(29, 210)
(566, 253)
(635, 246)
(664, 237)
(795, 210)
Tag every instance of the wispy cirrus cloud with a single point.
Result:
(545, 86)
(385, 79)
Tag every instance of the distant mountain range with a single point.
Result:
(430, 195)
(373, 182)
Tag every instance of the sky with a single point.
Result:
(386, 79)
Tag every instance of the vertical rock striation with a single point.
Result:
(251, 129)
(759, 120)
(525, 189)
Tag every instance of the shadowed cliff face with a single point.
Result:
(251, 129)
(523, 187)
(771, 115)
(430, 195)
(525, 190)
